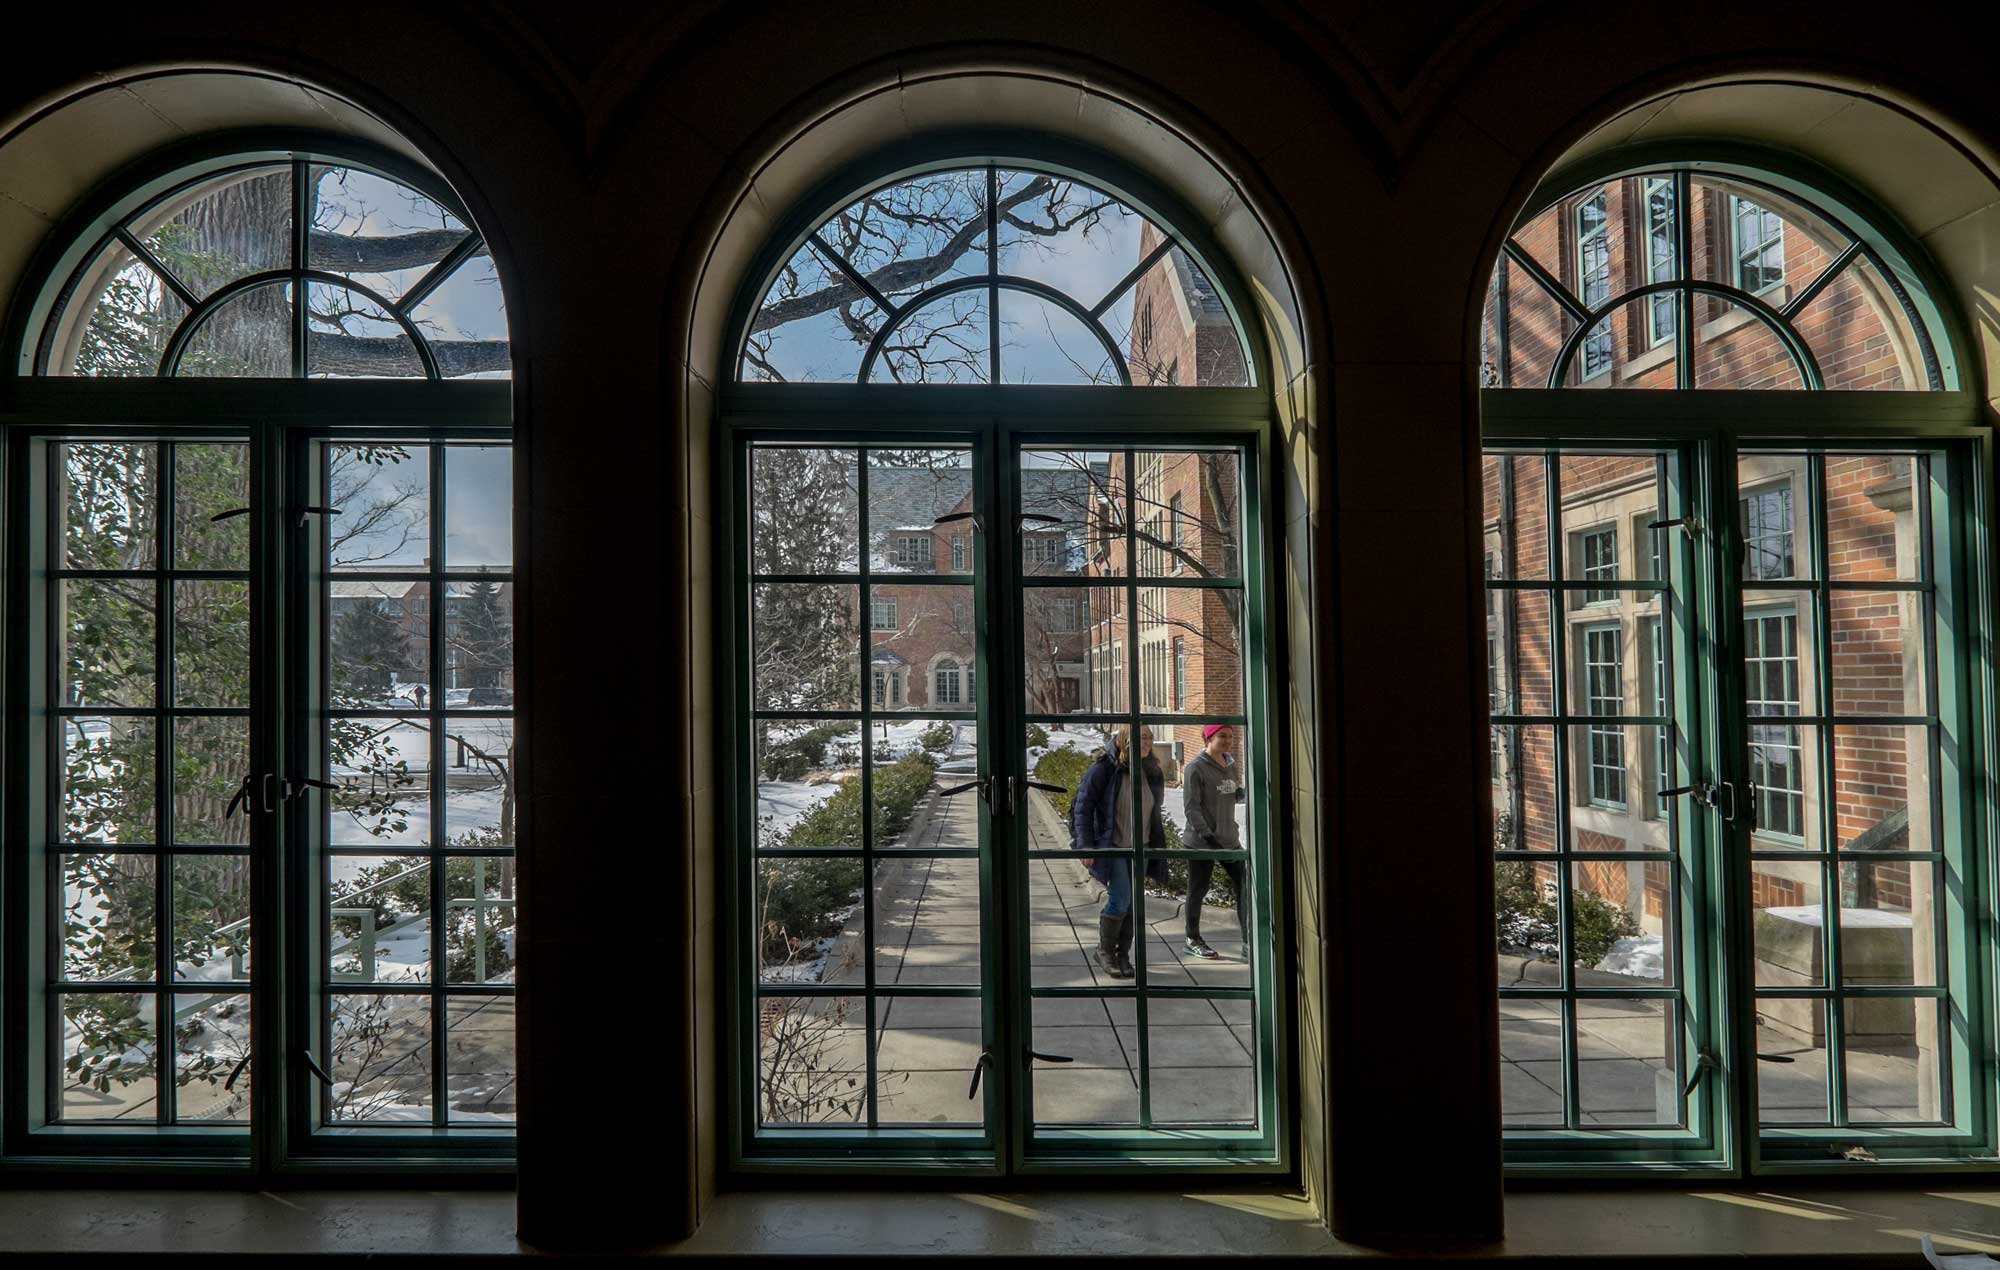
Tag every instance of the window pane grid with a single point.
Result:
(417, 837)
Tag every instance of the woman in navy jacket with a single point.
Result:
(1100, 820)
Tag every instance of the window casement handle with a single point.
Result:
(1690, 523)
(1705, 1061)
(299, 522)
(219, 517)
(985, 794)
(305, 1056)
(1040, 518)
(1038, 1056)
(296, 786)
(244, 793)
(1722, 797)
(979, 1070)
(236, 1071)
(953, 518)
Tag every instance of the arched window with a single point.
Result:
(926, 371)
(901, 284)
(266, 659)
(1729, 634)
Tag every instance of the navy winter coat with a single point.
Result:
(1093, 812)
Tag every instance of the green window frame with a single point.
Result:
(1785, 561)
(158, 384)
(1068, 573)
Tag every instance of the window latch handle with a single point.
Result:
(1050, 1058)
(1721, 797)
(236, 1071)
(314, 511)
(305, 1056)
(979, 1070)
(953, 518)
(242, 797)
(1691, 523)
(1705, 1061)
(985, 794)
(219, 517)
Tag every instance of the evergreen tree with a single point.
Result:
(481, 637)
(368, 648)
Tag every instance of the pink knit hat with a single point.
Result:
(1212, 729)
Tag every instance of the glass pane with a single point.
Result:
(1202, 1065)
(1043, 343)
(212, 644)
(1632, 346)
(809, 919)
(812, 1066)
(107, 629)
(808, 782)
(1620, 924)
(479, 645)
(378, 644)
(1883, 774)
(1861, 334)
(1072, 512)
(110, 504)
(1524, 789)
(1518, 651)
(381, 1056)
(1528, 924)
(1515, 515)
(1784, 770)
(383, 493)
(211, 478)
(909, 491)
(108, 928)
(383, 769)
(932, 225)
(1064, 905)
(1219, 921)
(805, 646)
(222, 229)
(1615, 789)
(249, 336)
(212, 918)
(927, 921)
(1888, 924)
(1531, 1061)
(1190, 650)
(379, 923)
(1074, 238)
(1892, 1060)
(1735, 349)
(813, 326)
(465, 322)
(1100, 1083)
(108, 790)
(1791, 1045)
(1773, 517)
(922, 641)
(1605, 496)
(1788, 928)
(1189, 511)
(211, 1046)
(349, 336)
(124, 316)
(1874, 517)
(109, 1052)
(478, 507)
(480, 1071)
(480, 933)
(1173, 327)
(947, 341)
(479, 792)
(380, 233)
(1627, 1062)
(805, 513)
(1073, 649)
(1769, 245)
(211, 757)
(924, 1061)
(907, 811)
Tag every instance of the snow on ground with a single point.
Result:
(1641, 956)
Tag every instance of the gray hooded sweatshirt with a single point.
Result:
(1209, 794)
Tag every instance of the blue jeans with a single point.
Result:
(1117, 887)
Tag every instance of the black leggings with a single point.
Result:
(1199, 873)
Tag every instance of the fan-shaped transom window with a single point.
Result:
(1687, 277)
(991, 275)
(279, 270)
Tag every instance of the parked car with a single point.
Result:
(490, 697)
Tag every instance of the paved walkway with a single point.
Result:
(928, 917)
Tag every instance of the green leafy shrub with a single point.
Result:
(792, 758)
(1530, 921)
(1038, 737)
(936, 738)
(1062, 767)
(803, 900)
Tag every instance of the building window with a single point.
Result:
(883, 614)
(1042, 550)
(1180, 674)
(1662, 244)
(912, 551)
(957, 553)
(945, 687)
(1660, 706)
(1604, 695)
(1597, 561)
(1593, 271)
(1777, 759)
(1177, 525)
(1759, 238)
(1765, 517)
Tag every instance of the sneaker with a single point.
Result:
(1196, 946)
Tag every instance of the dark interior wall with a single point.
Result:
(601, 146)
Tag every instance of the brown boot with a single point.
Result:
(1125, 947)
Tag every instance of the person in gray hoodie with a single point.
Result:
(1211, 789)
